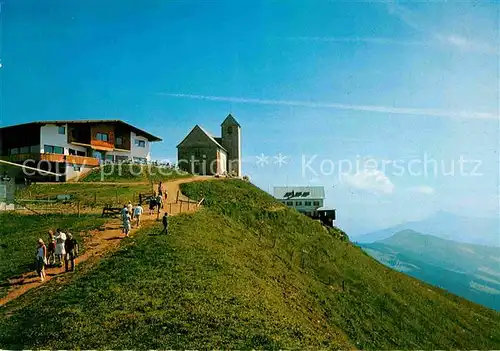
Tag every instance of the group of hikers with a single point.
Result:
(61, 249)
(156, 203)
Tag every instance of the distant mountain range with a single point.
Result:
(467, 270)
(473, 230)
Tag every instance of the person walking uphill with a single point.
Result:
(41, 259)
(160, 189)
(51, 249)
(71, 247)
(165, 223)
(60, 251)
(137, 214)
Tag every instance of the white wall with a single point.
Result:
(71, 174)
(135, 151)
(118, 153)
(223, 162)
(49, 135)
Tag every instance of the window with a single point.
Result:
(24, 150)
(72, 152)
(80, 153)
(14, 151)
(290, 203)
(50, 149)
(140, 143)
(298, 203)
(102, 136)
(110, 158)
(118, 141)
(197, 153)
(229, 130)
(307, 203)
(61, 130)
(315, 203)
(35, 148)
(77, 168)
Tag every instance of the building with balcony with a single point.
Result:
(71, 148)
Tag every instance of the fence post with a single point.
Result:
(188, 205)
(177, 200)
(180, 208)
(170, 211)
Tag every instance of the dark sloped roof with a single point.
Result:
(230, 120)
(209, 136)
(136, 130)
(302, 192)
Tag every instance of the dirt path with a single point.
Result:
(103, 240)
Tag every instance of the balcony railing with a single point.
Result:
(59, 158)
(79, 160)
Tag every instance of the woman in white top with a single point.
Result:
(41, 259)
(60, 251)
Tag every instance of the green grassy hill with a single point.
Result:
(19, 235)
(468, 270)
(244, 272)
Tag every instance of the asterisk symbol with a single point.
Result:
(262, 160)
(280, 159)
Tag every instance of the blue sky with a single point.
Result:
(328, 81)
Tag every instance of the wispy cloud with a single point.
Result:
(436, 34)
(364, 108)
(423, 189)
(361, 40)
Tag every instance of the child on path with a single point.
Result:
(41, 259)
(165, 223)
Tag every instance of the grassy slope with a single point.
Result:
(87, 194)
(244, 272)
(131, 173)
(19, 235)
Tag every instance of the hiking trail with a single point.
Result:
(103, 240)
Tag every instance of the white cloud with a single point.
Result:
(365, 108)
(423, 189)
(433, 31)
(370, 180)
